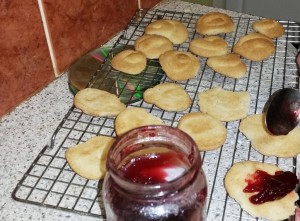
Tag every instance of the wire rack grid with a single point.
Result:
(50, 182)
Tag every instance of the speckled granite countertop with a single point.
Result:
(26, 130)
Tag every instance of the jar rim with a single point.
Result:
(159, 188)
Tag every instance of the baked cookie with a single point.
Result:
(235, 183)
(253, 127)
(269, 27)
(208, 132)
(229, 65)
(89, 159)
(209, 46)
(132, 118)
(129, 61)
(168, 96)
(174, 30)
(254, 46)
(214, 23)
(224, 105)
(153, 45)
(97, 102)
(179, 65)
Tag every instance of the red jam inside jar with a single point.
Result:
(156, 177)
(270, 187)
(155, 168)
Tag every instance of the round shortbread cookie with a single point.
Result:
(229, 65)
(132, 118)
(174, 30)
(254, 46)
(153, 45)
(235, 183)
(254, 128)
(129, 61)
(224, 105)
(269, 27)
(209, 46)
(97, 102)
(168, 96)
(208, 132)
(179, 65)
(214, 23)
(89, 159)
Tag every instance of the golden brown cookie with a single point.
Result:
(269, 27)
(229, 65)
(89, 159)
(214, 23)
(209, 46)
(168, 96)
(235, 183)
(153, 45)
(253, 127)
(97, 102)
(174, 30)
(224, 105)
(208, 132)
(254, 46)
(129, 61)
(179, 65)
(132, 118)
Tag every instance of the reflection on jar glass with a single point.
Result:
(154, 173)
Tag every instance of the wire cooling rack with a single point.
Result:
(50, 182)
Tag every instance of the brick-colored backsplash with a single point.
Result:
(25, 63)
(75, 27)
(146, 4)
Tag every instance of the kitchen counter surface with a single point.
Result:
(26, 130)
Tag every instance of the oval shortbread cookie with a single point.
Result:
(209, 46)
(208, 132)
(129, 61)
(168, 96)
(253, 127)
(153, 45)
(174, 30)
(89, 159)
(132, 118)
(235, 183)
(224, 105)
(229, 65)
(269, 27)
(179, 65)
(254, 46)
(97, 102)
(214, 23)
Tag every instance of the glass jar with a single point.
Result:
(154, 173)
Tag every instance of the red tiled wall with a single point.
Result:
(149, 3)
(25, 65)
(75, 27)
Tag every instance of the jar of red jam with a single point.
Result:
(154, 173)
